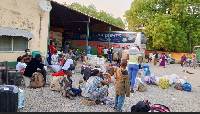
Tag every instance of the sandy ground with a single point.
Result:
(45, 100)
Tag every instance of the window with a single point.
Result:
(10, 43)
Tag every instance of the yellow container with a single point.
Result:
(163, 83)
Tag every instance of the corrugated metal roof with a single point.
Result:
(86, 14)
(8, 31)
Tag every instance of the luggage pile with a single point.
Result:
(145, 76)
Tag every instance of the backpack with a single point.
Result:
(179, 84)
(141, 106)
(37, 80)
(158, 108)
(87, 73)
(187, 87)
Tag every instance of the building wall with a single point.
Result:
(25, 14)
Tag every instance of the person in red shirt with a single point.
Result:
(100, 49)
(51, 50)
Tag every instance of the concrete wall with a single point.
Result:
(25, 14)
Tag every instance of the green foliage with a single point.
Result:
(92, 11)
(173, 25)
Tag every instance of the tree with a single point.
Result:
(173, 25)
(92, 11)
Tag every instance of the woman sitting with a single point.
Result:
(93, 90)
(55, 59)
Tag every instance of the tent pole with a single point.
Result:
(109, 36)
(88, 30)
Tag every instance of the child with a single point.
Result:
(20, 67)
(122, 85)
(194, 63)
(67, 89)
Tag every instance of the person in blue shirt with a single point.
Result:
(88, 49)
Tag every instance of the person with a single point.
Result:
(27, 57)
(100, 48)
(89, 49)
(77, 54)
(162, 63)
(67, 89)
(66, 50)
(93, 89)
(169, 58)
(70, 54)
(68, 65)
(122, 85)
(156, 58)
(82, 54)
(51, 50)
(120, 55)
(105, 53)
(55, 59)
(183, 59)
(134, 56)
(73, 51)
(32, 67)
(194, 63)
(20, 67)
(150, 56)
(110, 52)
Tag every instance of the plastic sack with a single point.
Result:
(175, 78)
(21, 99)
(147, 80)
(56, 68)
(137, 84)
(147, 72)
(171, 81)
(141, 73)
(163, 83)
(153, 77)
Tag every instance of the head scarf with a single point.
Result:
(134, 51)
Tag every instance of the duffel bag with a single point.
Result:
(141, 106)
(158, 108)
(187, 87)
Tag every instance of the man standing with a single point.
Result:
(120, 54)
(88, 49)
(150, 56)
(27, 57)
(66, 50)
(110, 52)
(156, 58)
(100, 48)
(169, 58)
(106, 53)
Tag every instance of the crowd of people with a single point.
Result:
(95, 87)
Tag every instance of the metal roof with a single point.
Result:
(64, 17)
(8, 31)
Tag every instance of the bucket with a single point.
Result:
(35, 52)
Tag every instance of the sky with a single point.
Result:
(115, 7)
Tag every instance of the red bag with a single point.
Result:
(60, 73)
(158, 108)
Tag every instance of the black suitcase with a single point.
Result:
(9, 98)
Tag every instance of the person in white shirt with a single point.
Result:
(68, 65)
(20, 65)
(169, 58)
(105, 53)
(55, 59)
(150, 56)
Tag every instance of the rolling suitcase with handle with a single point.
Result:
(9, 98)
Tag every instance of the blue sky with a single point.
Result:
(115, 7)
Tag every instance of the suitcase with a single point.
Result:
(14, 78)
(9, 98)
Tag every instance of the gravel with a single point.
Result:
(46, 100)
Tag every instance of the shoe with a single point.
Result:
(71, 97)
(132, 91)
(47, 83)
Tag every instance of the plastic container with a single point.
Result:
(35, 52)
(145, 66)
(187, 87)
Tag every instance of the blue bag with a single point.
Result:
(147, 72)
(187, 87)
